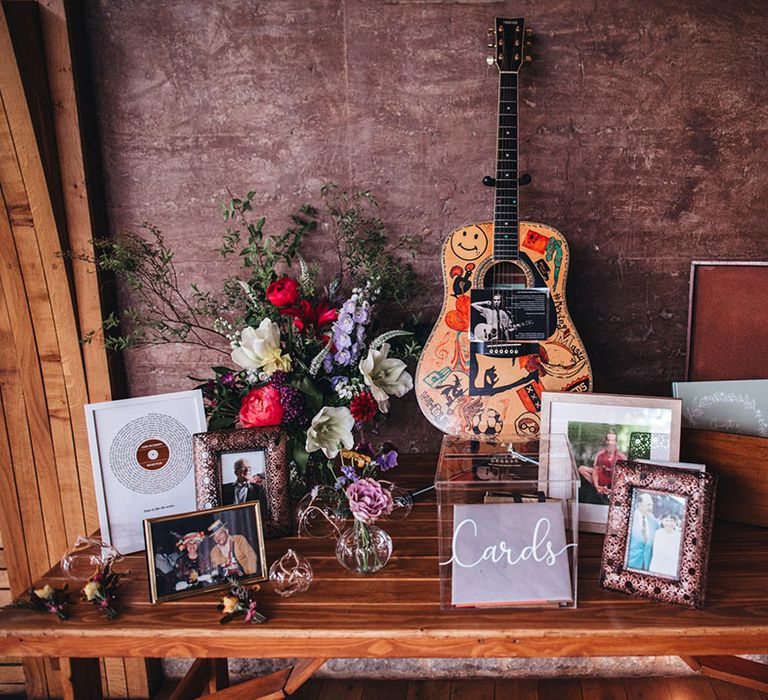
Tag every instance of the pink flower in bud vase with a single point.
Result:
(368, 500)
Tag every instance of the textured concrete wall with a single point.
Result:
(643, 126)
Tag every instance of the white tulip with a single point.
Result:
(259, 349)
(331, 430)
(385, 376)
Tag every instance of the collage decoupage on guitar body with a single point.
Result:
(504, 333)
(463, 391)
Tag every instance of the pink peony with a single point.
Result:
(368, 500)
(261, 407)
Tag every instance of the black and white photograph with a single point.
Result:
(490, 316)
(200, 551)
(502, 314)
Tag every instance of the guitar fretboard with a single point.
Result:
(505, 218)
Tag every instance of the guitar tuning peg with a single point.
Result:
(529, 32)
(529, 59)
(490, 31)
(490, 60)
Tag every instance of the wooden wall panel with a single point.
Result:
(46, 375)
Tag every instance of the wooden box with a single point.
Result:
(741, 464)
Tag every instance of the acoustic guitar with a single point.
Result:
(504, 333)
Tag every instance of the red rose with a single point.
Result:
(283, 292)
(261, 407)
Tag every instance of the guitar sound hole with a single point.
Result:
(505, 275)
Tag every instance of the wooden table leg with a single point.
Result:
(80, 679)
(274, 686)
(732, 669)
(301, 673)
(219, 675)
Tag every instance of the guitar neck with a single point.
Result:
(505, 219)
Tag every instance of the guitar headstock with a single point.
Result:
(511, 41)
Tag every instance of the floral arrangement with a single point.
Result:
(240, 600)
(314, 372)
(307, 357)
(101, 590)
(47, 599)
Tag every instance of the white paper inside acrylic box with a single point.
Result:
(507, 523)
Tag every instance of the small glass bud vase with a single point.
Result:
(86, 556)
(290, 574)
(363, 549)
(319, 514)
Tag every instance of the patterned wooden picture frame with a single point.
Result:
(268, 445)
(693, 494)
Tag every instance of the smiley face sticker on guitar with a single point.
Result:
(469, 243)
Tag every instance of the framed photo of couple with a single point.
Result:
(199, 551)
(244, 466)
(658, 533)
(604, 429)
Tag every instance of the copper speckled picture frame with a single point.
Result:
(690, 492)
(266, 453)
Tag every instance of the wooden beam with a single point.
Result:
(195, 682)
(265, 688)
(80, 233)
(38, 240)
(302, 672)
(219, 675)
(733, 669)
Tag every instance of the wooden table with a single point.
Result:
(396, 613)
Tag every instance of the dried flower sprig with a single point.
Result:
(46, 599)
(101, 590)
(240, 600)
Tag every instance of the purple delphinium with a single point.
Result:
(343, 357)
(349, 326)
(361, 314)
(355, 351)
(338, 381)
(345, 324)
(349, 473)
(342, 340)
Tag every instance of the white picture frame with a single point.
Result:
(581, 417)
(141, 455)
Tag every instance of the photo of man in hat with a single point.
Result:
(232, 553)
